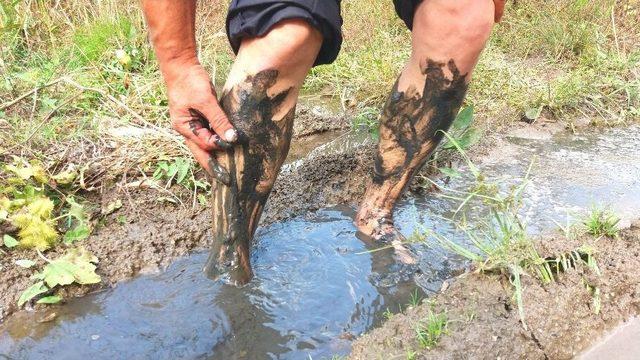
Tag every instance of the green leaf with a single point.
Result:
(533, 113)
(33, 291)
(80, 232)
(183, 171)
(76, 210)
(111, 207)
(463, 119)
(173, 170)
(74, 266)
(9, 241)
(54, 299)
(452, 173)
(59, 273)
(469, 138)
(65, 177)
(25, 263)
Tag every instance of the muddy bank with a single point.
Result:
(155, 233)
(561, 317)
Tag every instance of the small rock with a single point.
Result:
(48, 317)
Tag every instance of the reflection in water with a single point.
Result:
(316, 285)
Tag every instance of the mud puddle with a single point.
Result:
(317, 287)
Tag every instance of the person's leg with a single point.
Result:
(447, 39)
(259, 97)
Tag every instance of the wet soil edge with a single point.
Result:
(561, 317)
(157, 233)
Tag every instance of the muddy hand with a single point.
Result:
(253, 164)
(197, 116)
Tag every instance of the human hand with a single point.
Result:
(196, 114)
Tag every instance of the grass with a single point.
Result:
(415, 299)
(601, 223)
(567, 58)
(430, 330)
(500, 243)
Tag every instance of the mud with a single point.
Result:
(156, 233)
(561, 316)
(483, 323)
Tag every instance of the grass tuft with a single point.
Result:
(430, 330)
(601, 223)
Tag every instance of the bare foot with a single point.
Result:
(378, 225)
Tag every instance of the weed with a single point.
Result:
(179, 171)
(601, 223)
(429, 331)
(411, 355)
(415, 299)
(28, 201)
(500, 244)
(367, 120)
(387, 314)
(77, 265)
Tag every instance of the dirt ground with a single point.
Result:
(561, 316)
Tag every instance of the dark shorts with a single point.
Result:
(251, 18)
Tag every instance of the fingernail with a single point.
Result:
(231, 135)
(221, 143)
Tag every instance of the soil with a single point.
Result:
(156, 232)
(561, 316)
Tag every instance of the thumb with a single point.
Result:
(219, 122)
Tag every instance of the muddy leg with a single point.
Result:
(447, 39)
(259, 99)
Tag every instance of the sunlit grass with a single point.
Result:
(601, 222)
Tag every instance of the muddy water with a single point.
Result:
(317, 286)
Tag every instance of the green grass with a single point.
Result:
(601, 223)
(569, 58)
(415, 299)
(500, 243)
(430, 330)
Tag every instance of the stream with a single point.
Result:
(317, 286)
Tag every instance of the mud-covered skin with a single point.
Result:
(411, 126)
(253, 165)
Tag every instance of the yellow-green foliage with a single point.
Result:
(27, 203)
(36, 226)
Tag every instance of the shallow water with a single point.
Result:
(316, 285)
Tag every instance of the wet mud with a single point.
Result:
(561, 316)
(156, 233)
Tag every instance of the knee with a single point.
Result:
(459, 24)
(290, 43)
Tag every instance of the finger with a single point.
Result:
(218, 121)
(209, 163)
(193, 129)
